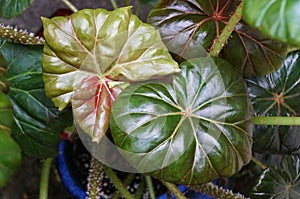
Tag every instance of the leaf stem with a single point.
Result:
(138, 8)
(220, 42)
(217, 192)
(276, 120)
(174, 189)
(150, 186)
(259, 163)
(70, 5)
(117, 182)
(126, 2)
(114, 4)
(128, 180)
(140, 191)
(44, 183)
(94, 179)
(24, 37)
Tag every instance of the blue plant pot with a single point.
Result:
(74, 186)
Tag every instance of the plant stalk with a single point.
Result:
(44, 183)
(276, 120)
(126, 2)
(128, 180)
(15, 35)
(220, 42)
(142, 186)
(150, 186)
(70, 5)
(94, 179)
(260, 164)
(114, 4)
(217, 192)
(117, 182)
(138, 8)
(174, 189)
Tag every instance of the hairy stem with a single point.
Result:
(44, 183)
(174, 189)
(70, 5)
(94, 179)
(150, 186)
(117, 182)
(220, 42)
(19, 36)
(276, 120)
(215, 191)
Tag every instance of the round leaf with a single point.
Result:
(190, 132)
(12, 8)
(277, 19)
(277, 94)
(37, 122)
(114, 44)
(103, 45)
(282, 182)
(189, 28)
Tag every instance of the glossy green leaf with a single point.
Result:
(277, 94)
(37, 122)
(280, 183)
(10, 157)
(10, 153)
(278, 19)
(189, 29)
(108, 45)
(190, 132)
(12, 8)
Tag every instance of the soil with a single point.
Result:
(25, 183)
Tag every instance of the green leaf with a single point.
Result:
(12, 8)
(278, 19)
(189, 28)
(190, 132)
(10, 153)
(277, 94)
(282, 182)
(37, 122)
(110, 45)
(6, 112)
(10, 157)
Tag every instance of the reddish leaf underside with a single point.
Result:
(91, 106)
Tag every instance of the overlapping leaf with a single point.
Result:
(277, 94)
(190, 132)
(189, 29)
(12, 8)
(282, 182)
(10, 153)
(103, 45)
(37, 122)
(278, 19)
